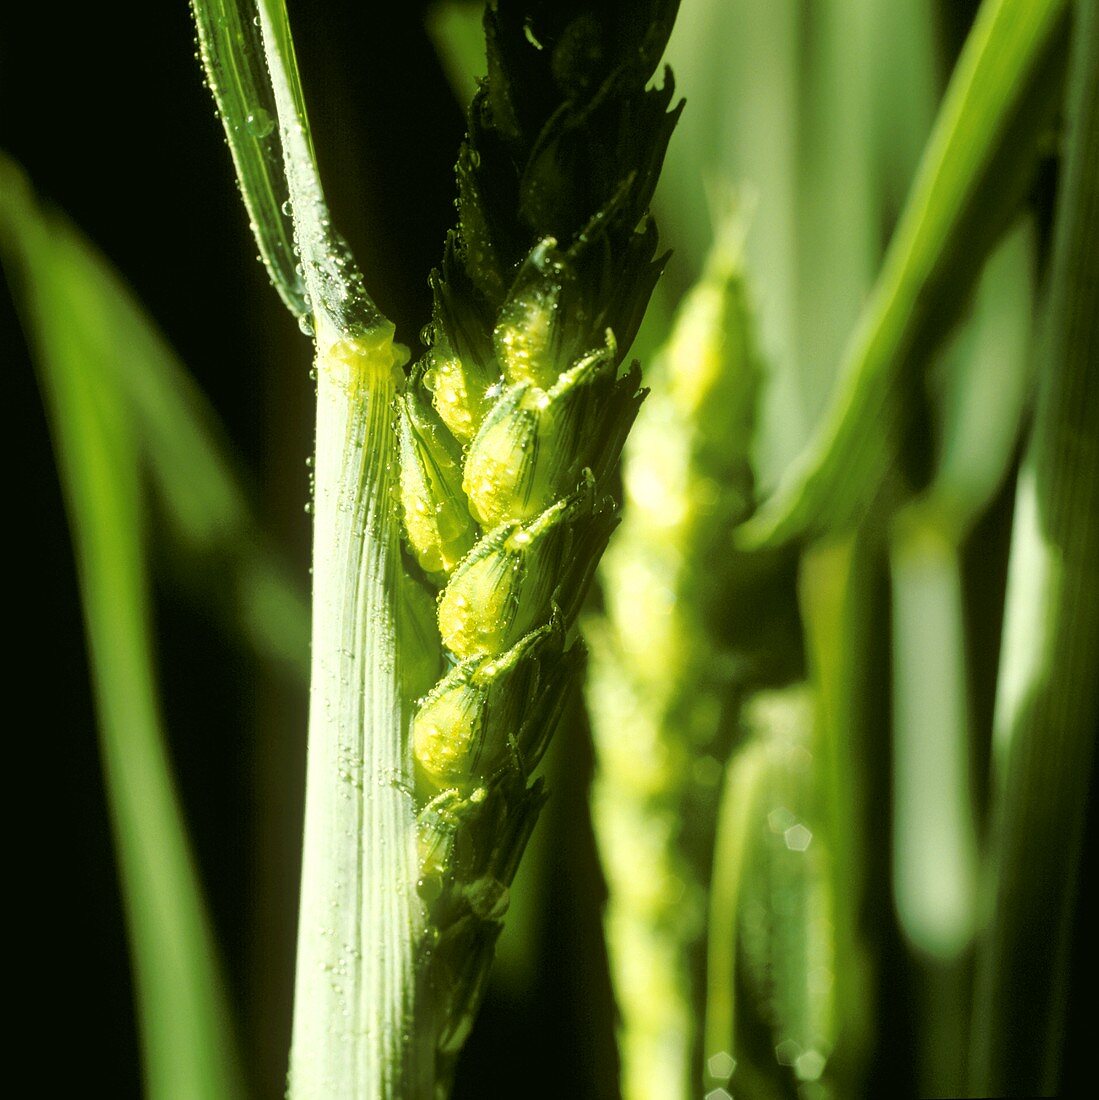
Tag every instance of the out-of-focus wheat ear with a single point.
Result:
(668, 670)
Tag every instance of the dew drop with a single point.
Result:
(259, 123)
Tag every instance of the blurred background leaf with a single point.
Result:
(82, 332)
(1047, 704)
(979, 163)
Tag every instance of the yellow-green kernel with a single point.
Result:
(447, 739)
(438, 525)
(500, 476)
(459, 401)
(526, 454)
(463, 729)
(502, 590)
(528, 338)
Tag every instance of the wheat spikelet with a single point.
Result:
(508, 431)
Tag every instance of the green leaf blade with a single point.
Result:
(978, 160)
(248, 55)
(182, 1008)
(1047, 701)
(231, 46)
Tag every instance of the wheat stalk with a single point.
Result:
(507, 431)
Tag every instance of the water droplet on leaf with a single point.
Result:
(259, 123)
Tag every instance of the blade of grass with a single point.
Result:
(248, 55)
(740, 807)
(836, 596)
(935, 833)
(335, 293)
(771, 1008)
(207, 514)
(360, 919)
(1048, 696)
(182, 1009)
(231, 44)
(979, 158)
(838, 215)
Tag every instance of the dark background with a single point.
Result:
(105, 108)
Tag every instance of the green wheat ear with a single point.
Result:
(665, 668)
(509, 428)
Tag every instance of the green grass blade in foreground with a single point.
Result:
(979, 158)
(1048, 696)
(360, 921)
(248, 55)
(184, 1017)
(232, 52)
